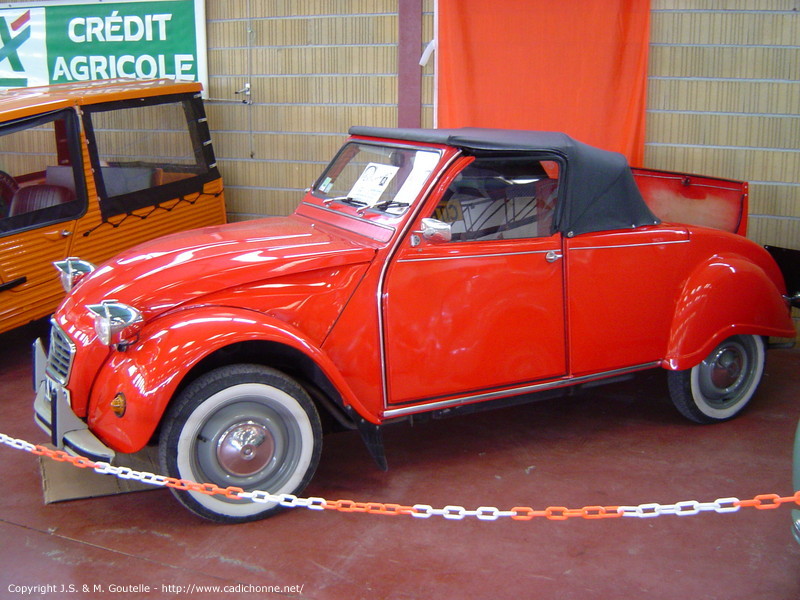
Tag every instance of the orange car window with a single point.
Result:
(40, 173)
(168, 156)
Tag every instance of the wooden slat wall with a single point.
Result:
(724, 100)
(723, 95)
(316, 67)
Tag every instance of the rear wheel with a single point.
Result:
(246, 426)
(720, 387)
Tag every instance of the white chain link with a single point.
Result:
(420, 511)
(18, 444)
(682, 509)
(103, 468)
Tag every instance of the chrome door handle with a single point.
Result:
(553, 255)
(64, 233)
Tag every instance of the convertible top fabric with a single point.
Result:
(599, 192)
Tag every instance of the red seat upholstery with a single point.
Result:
(36, 197)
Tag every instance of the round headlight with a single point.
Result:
(72, 270)
(115, 323)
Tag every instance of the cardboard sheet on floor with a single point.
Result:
(61, 481)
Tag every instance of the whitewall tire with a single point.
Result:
(245, 426)
(722, 385)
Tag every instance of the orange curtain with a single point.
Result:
(577, 66)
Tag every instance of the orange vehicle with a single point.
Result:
(92, 169)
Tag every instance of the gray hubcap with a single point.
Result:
(724, 374)
(245, 448)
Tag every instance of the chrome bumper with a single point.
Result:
(53, 414)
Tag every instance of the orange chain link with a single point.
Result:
(518, 513)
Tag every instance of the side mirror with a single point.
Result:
(435, 231)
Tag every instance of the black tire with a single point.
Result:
(247, 426)
(720, 387)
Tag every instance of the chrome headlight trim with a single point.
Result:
(115, 323)
(72, 270)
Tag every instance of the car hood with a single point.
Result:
(180, 268)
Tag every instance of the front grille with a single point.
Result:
(59, 358)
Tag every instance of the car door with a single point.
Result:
(623, 286)
(482, 313)
(41, 196)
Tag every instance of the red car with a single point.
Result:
(425, 272)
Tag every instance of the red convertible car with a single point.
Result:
(426, 272)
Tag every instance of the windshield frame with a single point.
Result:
(369, 203)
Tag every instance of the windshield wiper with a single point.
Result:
(345, 199)
(364, 206)
(386, 204)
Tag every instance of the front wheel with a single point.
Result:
(720, 387)
(246, 426)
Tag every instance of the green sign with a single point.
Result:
(64, 42)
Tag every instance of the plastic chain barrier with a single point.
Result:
(420, 511)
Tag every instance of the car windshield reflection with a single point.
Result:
(375, 178)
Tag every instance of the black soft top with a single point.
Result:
(599, 194)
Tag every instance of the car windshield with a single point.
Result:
(375, 178)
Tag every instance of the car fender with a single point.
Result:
(148, 372)
(726, 295)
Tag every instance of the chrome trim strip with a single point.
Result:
(525, 389)
(463, 256)
(385, 267)
(571, 249)
(499, 254)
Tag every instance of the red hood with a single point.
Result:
(178, 269)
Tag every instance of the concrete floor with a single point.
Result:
(616, 445)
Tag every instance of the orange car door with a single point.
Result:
(41, 196)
